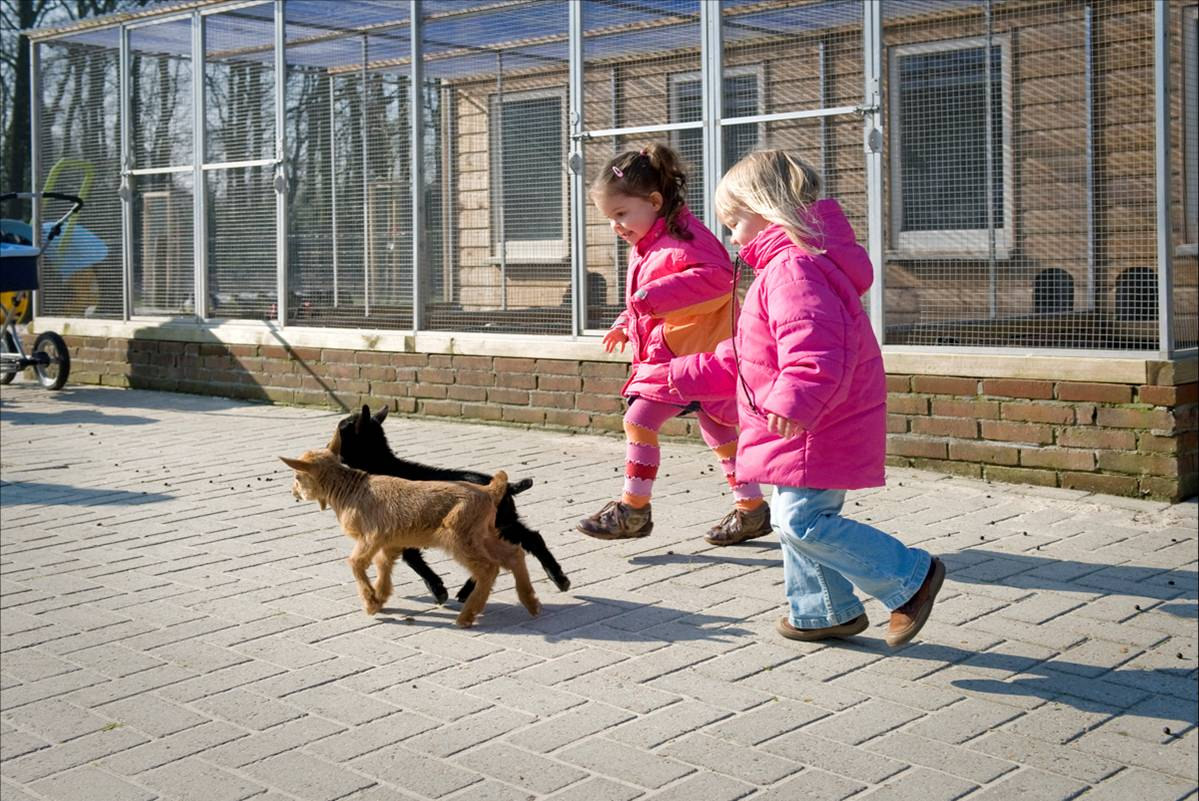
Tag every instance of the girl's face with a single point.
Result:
(745, 225)
(631, 217)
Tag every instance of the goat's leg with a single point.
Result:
(468, 587)
(484, 575)
(524, 587)
(358, 561)
(384, 560)
(414, 560)
(517, 532)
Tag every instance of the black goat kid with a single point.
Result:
(362, 444)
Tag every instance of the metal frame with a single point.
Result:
(416, 85)
(199, 182)
(1165, 245)
(712, 123)
(35, 154)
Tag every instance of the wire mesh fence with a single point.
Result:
(1019, 157)
(81, 272)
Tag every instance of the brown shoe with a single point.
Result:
(618, 521)
(739, 526)
(846, 629)
(907, 620)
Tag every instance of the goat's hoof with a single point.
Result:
(372, 607)
(441, 595)
(560, 581)
(534, 607)
(464, 622)
(464, 593)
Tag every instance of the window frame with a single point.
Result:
(952, 242)
(527, 251)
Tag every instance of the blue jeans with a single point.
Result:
(823, 552)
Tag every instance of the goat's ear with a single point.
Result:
(380, 415)
(366, 413)
(335, 443)
(297, 464)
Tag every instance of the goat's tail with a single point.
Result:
(498, 486)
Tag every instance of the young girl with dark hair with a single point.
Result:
(678, 301)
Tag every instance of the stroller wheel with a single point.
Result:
(53, 360)
(9, 346)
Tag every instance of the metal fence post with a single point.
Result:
(1165, 246)
(200, 186)
(578, 198)
(417, 170)
(35, 153)
(712, 104)
(281, 165)
(872, 43)
(126, 190)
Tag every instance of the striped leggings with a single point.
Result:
(642, 422)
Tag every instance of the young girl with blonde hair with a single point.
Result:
(811, 394)
(678, 301)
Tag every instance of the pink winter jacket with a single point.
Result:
(678, 300)
(808, 354)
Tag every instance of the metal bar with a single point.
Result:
(578, 195)
(333, 184)
(711, 104)
(366, 189)
(417, 173)
(640, 129)
(233, 165)
(126, 190)
(1165, 246)
(1092, 298)
(449, 157)
(825, 141)
(159, 170)
(872, 123)
(498, 178)
(35, 154)
(281, 168)
(200, 187)
(797, 115)
(988, 165)
(618, 265)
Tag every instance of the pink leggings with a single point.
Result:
(642, 422)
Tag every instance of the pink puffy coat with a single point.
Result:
(678, 300)
(808, 354)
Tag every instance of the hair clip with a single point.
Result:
(618, 172)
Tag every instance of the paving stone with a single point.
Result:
(409, 770)
(568, 727)
(596, 788)
(632, 765)
(193, 779)
(852, 762)
(307, 777)
(1063, 760)
(812, 784)
(1032, 783)
(276, 740)
(89, 784)
(521, 768)
(1143, 785)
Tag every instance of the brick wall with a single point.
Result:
(1115, 438)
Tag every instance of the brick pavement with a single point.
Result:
(174, 626)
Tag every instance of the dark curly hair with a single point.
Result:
(640, 173)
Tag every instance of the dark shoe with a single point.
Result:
(618, 521)
(847, 629)
(907, 620)
(739, 526)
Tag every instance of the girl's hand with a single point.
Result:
(614, 337)
(782, 426)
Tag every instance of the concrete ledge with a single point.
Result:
(1120, 369)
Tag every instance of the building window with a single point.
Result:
(1190, 125)
(528, 182)
(742, 98)
(939, 158)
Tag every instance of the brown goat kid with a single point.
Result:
(385, 515)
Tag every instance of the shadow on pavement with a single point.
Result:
(20, 493)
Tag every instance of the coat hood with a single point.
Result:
(836, 237)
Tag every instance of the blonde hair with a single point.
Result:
(777, 185)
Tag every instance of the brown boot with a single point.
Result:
(846, 629)
(739, 526)
(618, 521)
(907, 620)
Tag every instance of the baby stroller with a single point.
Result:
(18, 274)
